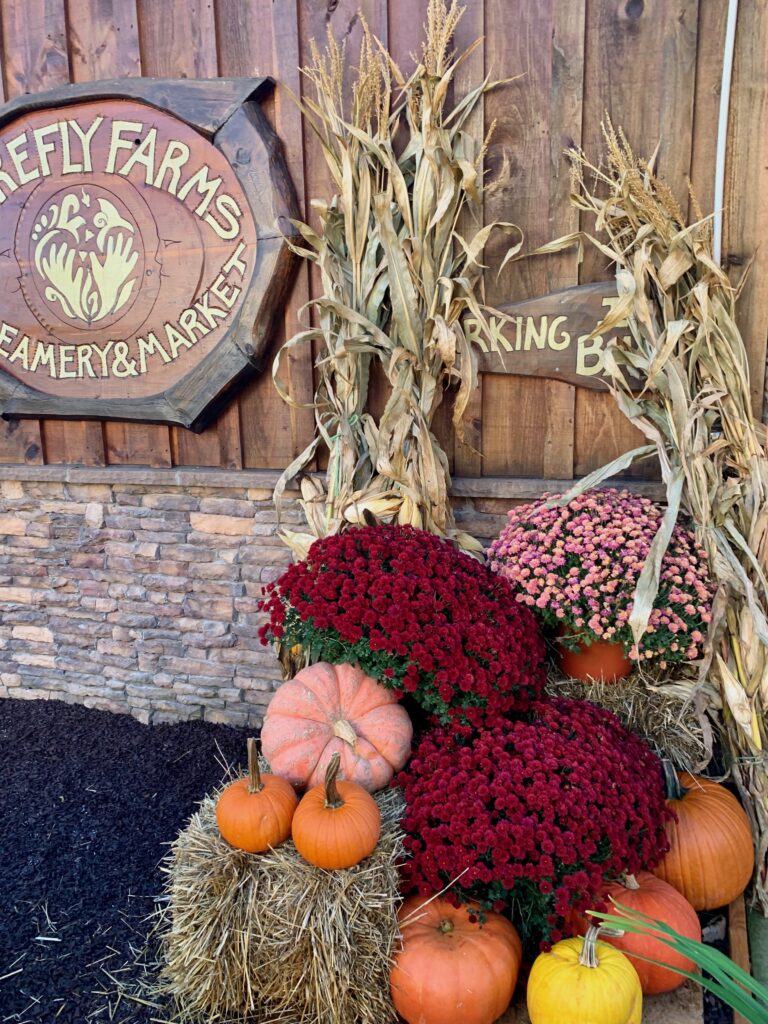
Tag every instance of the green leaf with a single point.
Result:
(728, 981)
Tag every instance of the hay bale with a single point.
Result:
(664, 715)
(267, 937)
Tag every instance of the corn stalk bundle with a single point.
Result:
(396, 278)
(681, 376)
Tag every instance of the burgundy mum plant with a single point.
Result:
(532, 815)
(415, 613)
(577, 566)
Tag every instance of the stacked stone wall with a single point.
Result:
(136, 590)
(139, 597)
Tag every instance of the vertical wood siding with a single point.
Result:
(654, 65)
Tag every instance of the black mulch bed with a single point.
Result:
(88, 803)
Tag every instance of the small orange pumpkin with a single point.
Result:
(328, 709)
(453, 967)
(711, 856)
(255, 812)
(599, 659)
(652, 896)
(336, 825)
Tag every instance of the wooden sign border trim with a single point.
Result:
(227, 111)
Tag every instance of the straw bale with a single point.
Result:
(662, 714)
(268, 937)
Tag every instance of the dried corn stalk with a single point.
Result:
(396, 275)
(695, 410)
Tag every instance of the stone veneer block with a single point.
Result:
(138, 597)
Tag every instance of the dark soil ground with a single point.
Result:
(88, 803)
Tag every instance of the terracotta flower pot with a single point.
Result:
(596, 660)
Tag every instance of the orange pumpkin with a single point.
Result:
(452, 967)
(654, 897)
(336, 709)
(711, 856)
(599, 659)
(255, 812)
(336, 825)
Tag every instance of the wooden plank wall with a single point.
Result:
(654, 65)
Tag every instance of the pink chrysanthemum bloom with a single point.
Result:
(577, 566)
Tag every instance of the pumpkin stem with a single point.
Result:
(629, 882)
(255, 785)
(445, 926)
(332, 796)
(588, 955)
(675, 791)
(345, 732)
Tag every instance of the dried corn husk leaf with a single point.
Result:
(299, 543)
(647, 588)
(397, 276)
(695, 407)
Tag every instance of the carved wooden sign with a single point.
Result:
(143, 248)
(550, 336)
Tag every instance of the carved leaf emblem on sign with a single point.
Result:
(84, 251)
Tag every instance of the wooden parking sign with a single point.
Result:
(554, 336)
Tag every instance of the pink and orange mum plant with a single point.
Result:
(577, 566)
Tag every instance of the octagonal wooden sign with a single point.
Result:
(144, 252)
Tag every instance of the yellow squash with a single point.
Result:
(583, 981)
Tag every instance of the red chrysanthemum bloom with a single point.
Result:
(533, 814)
(415, 613)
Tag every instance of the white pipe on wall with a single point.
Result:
(722, 128)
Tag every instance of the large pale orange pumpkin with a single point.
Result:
(452, 968)
(255, 812)
(711, 856)
(336, 709)
(647, 894)
(336, 825)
